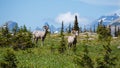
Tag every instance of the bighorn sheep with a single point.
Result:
(40, 34)
(72, 40)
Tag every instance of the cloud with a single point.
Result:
(102, 2)
(69, 18)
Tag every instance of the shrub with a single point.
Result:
(22, 40)
(108, 60)
(9, 60)
(84, 60)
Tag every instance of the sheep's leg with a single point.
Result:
(36, 40)
(74, 45)
(42, 43)
(69, 45)
(33, 39)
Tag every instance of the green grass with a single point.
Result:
(43, 57)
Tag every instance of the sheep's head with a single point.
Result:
(74, 32)
(46, 27)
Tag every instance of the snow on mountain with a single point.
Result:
(108, 19)
(115, 22)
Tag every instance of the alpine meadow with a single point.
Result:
(59, 34)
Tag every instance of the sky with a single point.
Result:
(34, 13)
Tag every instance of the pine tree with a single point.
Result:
(62, 47)
(94, 29)
(103, 32)
(22, 39)
(110, 29)
(90, 29)
(76, 26)
(5, 30)
(10, 60)
(69, 30)
(108, 60)
(84, 60)
(80, 29)
(15, 29)
(6, 36)
(118, 31)
(116, 35)
(85, 29)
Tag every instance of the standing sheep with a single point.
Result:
(40, 35)
(72, 40)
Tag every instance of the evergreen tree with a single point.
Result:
(5, 36)
(80, 29)
(15, 29)
(103, 32)
(84, 60)
(85, 29)
(62, 29)
(69, 30)
(118, 31)
(109, 29)
(94, 29)
(76, 26)
(25, 29)
(5, 30)
(10, 60)
(22, 39)
(108, 60)
(90, 29)
(116, 34)
(62, 47)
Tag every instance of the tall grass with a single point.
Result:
(43, 57)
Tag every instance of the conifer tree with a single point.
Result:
(85, 29)
(9, 60)
(108, 60)
(84, 60)
(62, 47)
(5, 30)
(76, 26)
(116, 35)
(90, 29)
(94, 29)
(69, 30)
(6, 36)
(80, 29)
(15, 29)
(22, 39)
(103, 32)
(118, 31)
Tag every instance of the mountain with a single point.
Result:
(52, 28)
(10, 25)
(115, 22)
(107, 19)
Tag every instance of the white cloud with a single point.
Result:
(70, 17)
(102, 2)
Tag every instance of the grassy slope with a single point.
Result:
(42, 57)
